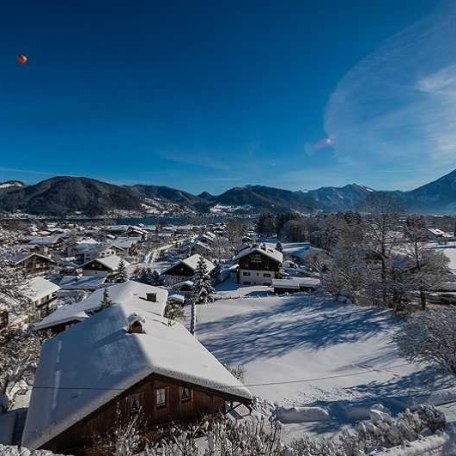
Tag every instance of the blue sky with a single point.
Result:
(207, 95)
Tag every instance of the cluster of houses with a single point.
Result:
(110, 348)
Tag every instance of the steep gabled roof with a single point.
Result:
(39, 287)
(90, 364)
(127, 293)
(192, 263)
(20, 258)
(269, 252)
(111, 262)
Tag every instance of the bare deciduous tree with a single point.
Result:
(430, 336)
(19, 347)
(429, 268)
(383, 234)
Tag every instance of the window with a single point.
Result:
(266, 275)
(255, 258)
(160, 397)
(246, 273)
(186, 394)
(136, 402)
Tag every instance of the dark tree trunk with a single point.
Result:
(423, 299)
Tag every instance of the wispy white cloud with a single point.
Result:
(397, 107)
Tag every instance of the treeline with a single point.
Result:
(380, 258)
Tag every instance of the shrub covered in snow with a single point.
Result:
(174, 311)
(15, 451)
(382, 431)
(300, 414)
(221, 437)
(124, 438)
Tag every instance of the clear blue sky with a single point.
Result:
(207, 95)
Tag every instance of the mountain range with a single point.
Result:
(64, 195)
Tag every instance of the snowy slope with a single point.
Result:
(303, 350)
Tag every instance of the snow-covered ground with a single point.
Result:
(305, 350)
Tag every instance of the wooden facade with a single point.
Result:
(95, 267)
(258, 261)
(180, 270)
(161, 401)
(35, 263)
(257, 268)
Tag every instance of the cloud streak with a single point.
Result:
(397, 107)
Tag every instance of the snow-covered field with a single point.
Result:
(306, 350)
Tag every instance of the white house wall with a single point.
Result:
(253, 277)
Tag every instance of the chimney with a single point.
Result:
(135, 324)
(152, 297)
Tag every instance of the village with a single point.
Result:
(103, 324)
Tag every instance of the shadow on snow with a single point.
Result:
(296, 322)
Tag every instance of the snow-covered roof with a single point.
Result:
(81, 282)
(111, 262)
(208, 235)
(263, 250)
(177, 298)
(137, 229)
(125, 243)
(45, 240)
(88, 241)
(438, 232)
(19, 258)
(295, 282)
(88, 365)
(192, 263)
(126, 293)
(202, 245)
(89, 245)
(39, 287)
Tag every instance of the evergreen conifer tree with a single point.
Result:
(122, 274)
(203, 291)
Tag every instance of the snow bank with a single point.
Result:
(379, 413)
(300, 414)
(435, 445)
(442, 397)
(15, 451)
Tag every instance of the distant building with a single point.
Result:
(442, 237)
(258, 265)
(33, 263)
(185, 269)
(41, 293)
(81, 283)
(146, 297)
(295, 284)
(51, 242)
(108, 265)
(84, 255)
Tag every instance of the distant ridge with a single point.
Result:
(64, 195)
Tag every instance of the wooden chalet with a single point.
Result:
(151, 298)
(122, 360)
(108, 265)
(258, 265)
(40, 292)
(185, 269)
(34, 263)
